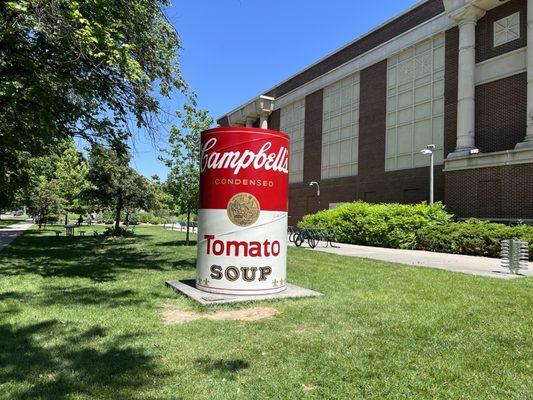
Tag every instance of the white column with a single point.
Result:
(466, 90)
(466, 103)
(263, 120)
(528, 141)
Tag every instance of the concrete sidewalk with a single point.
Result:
(482, 266)
(10, 233)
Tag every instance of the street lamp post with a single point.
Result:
(317, 191)
(317, 188)
(429, 151)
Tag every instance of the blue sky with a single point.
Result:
(236, 49)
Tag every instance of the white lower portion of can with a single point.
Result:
(241, 261)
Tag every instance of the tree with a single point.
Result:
(42, 195)
(71, 173)
(92, 69)
(14, 175)
(184, 159)
(115, 184)
(44, 198)
(65, 168)
(163, 199)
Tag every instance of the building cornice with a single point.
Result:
(488, 160)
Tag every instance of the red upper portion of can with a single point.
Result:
(250, 160)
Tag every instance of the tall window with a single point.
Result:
(292, 119)
(415, 105)
(340, 128)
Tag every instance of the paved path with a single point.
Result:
(10, 233)
(483, 266)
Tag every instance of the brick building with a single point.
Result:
(454, 73)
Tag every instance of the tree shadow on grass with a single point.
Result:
(97, 258)
(184, 264)
(13, 296)
(87, 296)
(220, 367)
(52, 361)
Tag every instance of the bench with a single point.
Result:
(82, 233)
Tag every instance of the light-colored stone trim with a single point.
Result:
(497, 159)
(502, 66)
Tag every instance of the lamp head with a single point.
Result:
(317, 187)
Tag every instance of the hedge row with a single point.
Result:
(473, 237)
(415, 226)
(385, 225)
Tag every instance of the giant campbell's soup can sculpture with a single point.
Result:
(242, 220)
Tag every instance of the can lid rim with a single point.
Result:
(245, 129)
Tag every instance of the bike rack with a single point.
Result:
(313, 236)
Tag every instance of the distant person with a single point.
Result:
(80, 220)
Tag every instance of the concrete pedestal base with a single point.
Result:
(187, 287)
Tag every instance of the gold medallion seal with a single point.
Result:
(243, 209)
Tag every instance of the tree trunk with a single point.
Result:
(188, 224)
(66, 218)
(118, 212)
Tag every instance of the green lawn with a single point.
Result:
(81, 318)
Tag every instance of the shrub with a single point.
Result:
(149, 218)
(120, 232)
(162, 213)
(386, 225)
(145, 217)
(158, 220)
(183, 217)
(473, 237)
(54, 218)
(108, 216)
